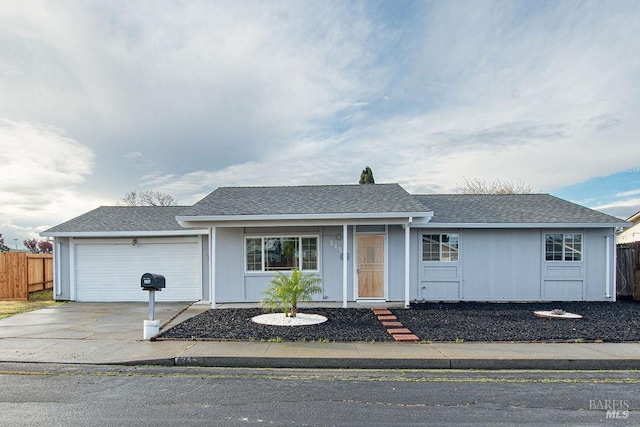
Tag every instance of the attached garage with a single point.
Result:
(101, 255)
(110, 269)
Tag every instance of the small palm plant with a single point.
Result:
(286, 291)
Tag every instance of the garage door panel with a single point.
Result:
(111, 272)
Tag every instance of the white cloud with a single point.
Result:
(14, 235)
(628, 193)
(134, 155)
(34, 156)
(227, 79)
(622, 208)
(41, 169)
(620, 203)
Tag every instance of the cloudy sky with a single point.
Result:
(101, 97)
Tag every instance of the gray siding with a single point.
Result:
(494, 265)
(439, 281)
(585, 280)
(509, 265)
(331, 263)
(596, 268)
(205, 268)
(501, 265)
(229, 265)
(395, 245)
(234, 284)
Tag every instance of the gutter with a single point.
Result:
(520, 225)
(185, 232)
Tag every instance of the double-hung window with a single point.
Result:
(563, 247)
(440, 247)
(281, 253)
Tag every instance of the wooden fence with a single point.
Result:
(628, 277)
(22, 273)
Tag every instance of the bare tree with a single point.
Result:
(156, 198)
(148, 198)
(497, 186)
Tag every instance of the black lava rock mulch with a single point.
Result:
(468, 321)
(235, 324)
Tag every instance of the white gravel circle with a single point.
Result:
(279, 319)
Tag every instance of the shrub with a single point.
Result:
(286, 291)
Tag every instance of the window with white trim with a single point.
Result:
(281, 253)
(440, 247)
(563, 247)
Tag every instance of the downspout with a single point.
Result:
(72, 269)
(345, 265)
(57, 278)
(607, 292)
(407, 248)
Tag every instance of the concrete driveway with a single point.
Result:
(90, 333)
(87, 321)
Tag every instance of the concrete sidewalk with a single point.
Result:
(111, 333)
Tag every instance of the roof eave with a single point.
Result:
(520, 225)
(303, 220)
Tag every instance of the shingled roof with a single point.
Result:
(510, 209)
(306, 200)
(122, 219)
(379, 200)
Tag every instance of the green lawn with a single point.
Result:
(37, 300)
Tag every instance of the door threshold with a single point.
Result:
(371, 301)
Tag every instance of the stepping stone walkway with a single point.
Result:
(394, 328)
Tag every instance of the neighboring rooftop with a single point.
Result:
(306, 200)
(122, 219)
(635, 217)
(510, 209)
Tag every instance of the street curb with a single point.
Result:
(347, 363)
(152, 362)
(547, 364)
(313, 362)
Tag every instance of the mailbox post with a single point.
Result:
(152, 283)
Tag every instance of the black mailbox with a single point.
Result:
(152, 282)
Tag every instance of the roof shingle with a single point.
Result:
(123, 218)
(510, 209)
(313, 199)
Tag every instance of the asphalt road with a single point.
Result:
(36, 394)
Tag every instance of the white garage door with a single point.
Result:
(111, 271)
